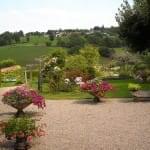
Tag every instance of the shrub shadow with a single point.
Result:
(132, 100)
(27, 113)
(7, 145)
(7, 113)
(87, 102)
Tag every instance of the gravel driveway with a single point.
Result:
(83, 125)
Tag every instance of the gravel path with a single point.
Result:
(82, 125)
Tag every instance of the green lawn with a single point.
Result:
(121, 88)
(24, 54)
(120, 91)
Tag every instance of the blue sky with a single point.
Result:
(41, 15)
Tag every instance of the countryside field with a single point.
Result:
(24, 54)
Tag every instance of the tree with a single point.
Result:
(91, 54)
(6, 38)
(106, 52)
(134, 24)
(16, 37)
(76, 66)
(73, 41)
(51, 34)
(53, 69)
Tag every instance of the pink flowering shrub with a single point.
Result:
(96, 89)
(22, 96)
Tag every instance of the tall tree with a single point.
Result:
(134, 24)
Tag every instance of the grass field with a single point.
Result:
(24, 54)
(120, 90)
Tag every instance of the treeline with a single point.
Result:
(73, 39)
(104, 38)
(8, 38)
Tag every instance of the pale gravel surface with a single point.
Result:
(82, 125)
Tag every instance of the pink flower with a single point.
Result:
(29, 138)
(22, 94)
(96, 88)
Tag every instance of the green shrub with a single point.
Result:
(106, 52)
(18, 82)
(48, 43)
(17, 125)
(134, 87)
(66, 86)
(142, 72)
(52, 70)
(7, 63)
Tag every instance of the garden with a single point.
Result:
(72, 76)
(59, 76)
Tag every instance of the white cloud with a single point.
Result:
(43, 19)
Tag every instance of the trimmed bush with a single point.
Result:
(134, 87)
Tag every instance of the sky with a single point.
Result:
(41, 15)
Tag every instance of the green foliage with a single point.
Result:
(51, 35)
(5, 38)
(104, 39)
(142, 72)
(53, 69)
(76, 62)
(134, 87)
(73, 41)
(18, 82)
(66, 85)
(120, 91)
(38, 39)
(77, 66)
(126, 61)
(91, 54)
(13, 75)
(106, 52)
(8, 38)
(48, 43)
(60, 54)
(146, 59)
(7, 63)
(91, 72)
(134, 24)
(19, 125)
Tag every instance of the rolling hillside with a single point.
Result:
(24, 54)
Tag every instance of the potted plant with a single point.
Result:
(21, 97)
(134, 87)
(97, 89)
(22, 130)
